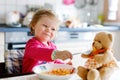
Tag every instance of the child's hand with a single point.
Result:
(59, 61)
(62, 55)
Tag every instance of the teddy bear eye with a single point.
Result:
(99, 41)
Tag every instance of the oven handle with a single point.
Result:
(20, 45)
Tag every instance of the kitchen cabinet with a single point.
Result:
(106, 13)
(2, 47)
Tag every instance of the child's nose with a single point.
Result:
(48, 30)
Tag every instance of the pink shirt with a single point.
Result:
(35, 52)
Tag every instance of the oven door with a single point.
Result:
(19, 45)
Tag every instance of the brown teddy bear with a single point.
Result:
(100, 62)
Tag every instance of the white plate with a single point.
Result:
(50, 66)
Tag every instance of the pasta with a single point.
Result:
(59, 71)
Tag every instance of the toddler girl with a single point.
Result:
(44, 26)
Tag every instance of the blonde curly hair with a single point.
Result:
(40, 14)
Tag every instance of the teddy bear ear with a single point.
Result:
(110, 37)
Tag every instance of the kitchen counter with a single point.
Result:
(5, 28)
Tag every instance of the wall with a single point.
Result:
(107, 11)
(116, 45)
(61, 9)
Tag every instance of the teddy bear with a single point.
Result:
(100, 62)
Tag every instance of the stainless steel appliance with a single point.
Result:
(16, 40)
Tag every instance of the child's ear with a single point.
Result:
(110, 37)
(33, 27)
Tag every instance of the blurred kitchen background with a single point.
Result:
(65, 9)
(82, 18)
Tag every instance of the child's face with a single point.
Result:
(45, 29)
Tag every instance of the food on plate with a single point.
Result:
(59, 71)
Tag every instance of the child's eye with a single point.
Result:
(45, 25)
(53, 29)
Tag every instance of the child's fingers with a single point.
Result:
(69, 55)
(64, 55)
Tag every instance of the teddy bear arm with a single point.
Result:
(104, 58)
(85, 55)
